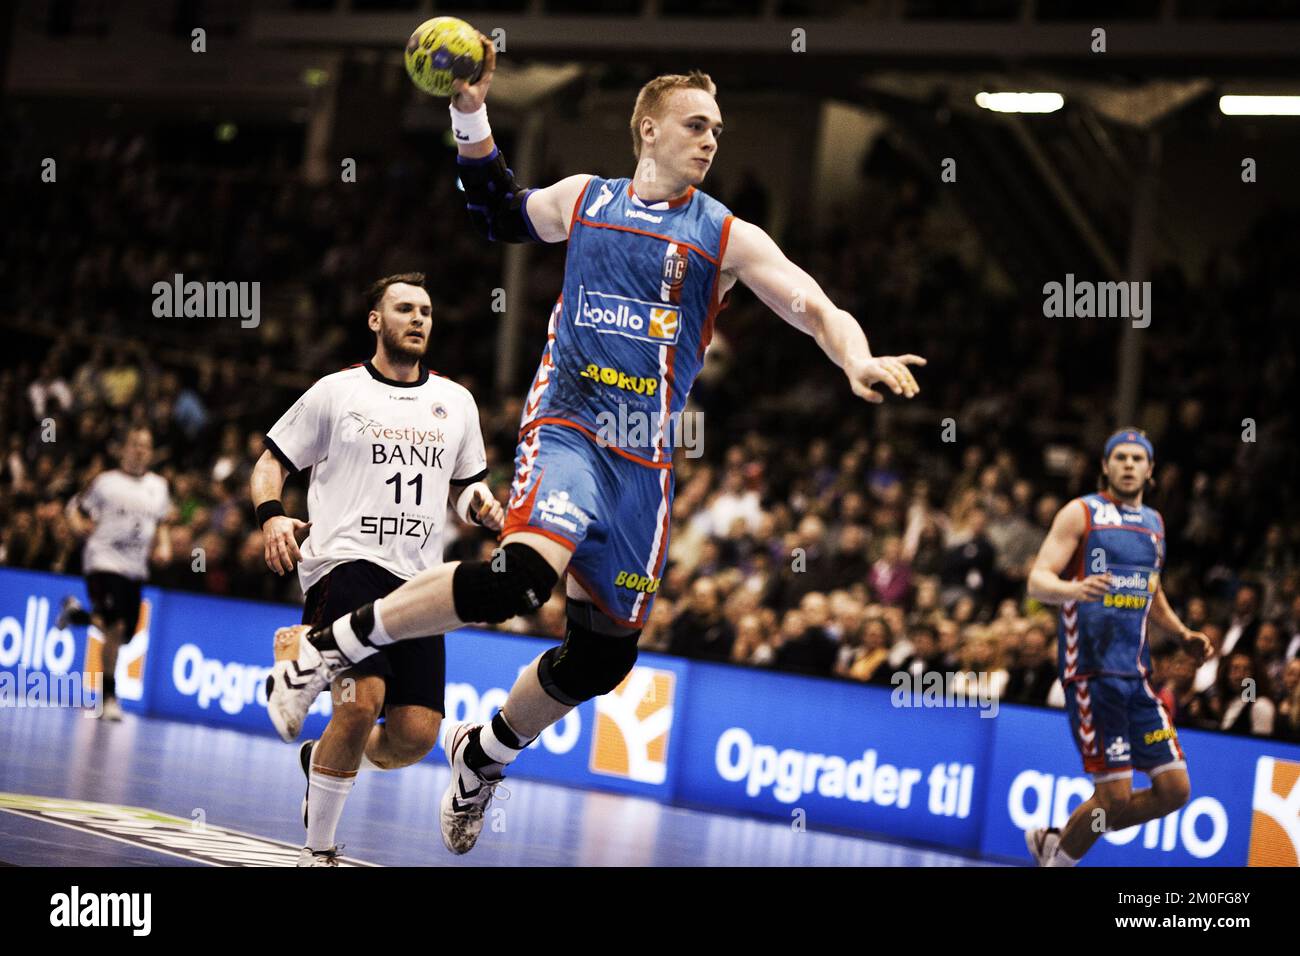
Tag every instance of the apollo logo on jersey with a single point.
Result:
(1132, 581)
(637, 319)
(632, 727)
(1275, 817)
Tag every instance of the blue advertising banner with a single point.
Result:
(210, 660)
(43, 665)
(816, 752)
(839, 753)
(1242, 809)
(625, 741)
(212, 657)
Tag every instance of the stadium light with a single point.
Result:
(1241, 105)
(1020, 102)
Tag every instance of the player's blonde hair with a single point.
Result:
(652, 96)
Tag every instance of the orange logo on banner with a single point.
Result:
(1275, 822)
(632, 725)
(131, 656)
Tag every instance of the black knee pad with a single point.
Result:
(587, 664)
(522, 585)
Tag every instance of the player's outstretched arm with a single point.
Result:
(501, 208)
(281, 534)
(754, 259)
(468, 98)
(1045, 583)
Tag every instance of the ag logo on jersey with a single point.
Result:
(652, 322)
(439, 410)
(632, 725)
(1275, 820)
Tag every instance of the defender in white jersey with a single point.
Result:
(389, 445)
(123, 516)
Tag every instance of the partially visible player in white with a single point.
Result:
(389, 446)
(123, 516)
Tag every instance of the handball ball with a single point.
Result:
(442, 50)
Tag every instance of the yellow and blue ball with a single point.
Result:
(441, 51)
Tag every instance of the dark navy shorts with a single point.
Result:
(115, 598)
(414, 671)
(1119, 725)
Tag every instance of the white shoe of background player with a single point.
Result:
(466, 799)
(300, 673)
(112, 710)
(309, 857)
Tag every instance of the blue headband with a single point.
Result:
(1129, 437)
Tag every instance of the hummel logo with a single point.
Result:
(463, 137)
(459, 807)
(460, 785)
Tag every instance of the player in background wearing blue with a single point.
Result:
(1101, 562)
(649, 262)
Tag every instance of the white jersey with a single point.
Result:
(383, 455)
(126, 510)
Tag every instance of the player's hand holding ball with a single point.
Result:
(281, 536)
(446, 56)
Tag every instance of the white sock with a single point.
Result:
(326, 794)
(499, 751)
(1061, 858)
(379, 634)
(368, 764)
(349, 644)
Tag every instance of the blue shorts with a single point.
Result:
(1119, 725)
(612, 512)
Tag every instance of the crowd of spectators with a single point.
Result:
(815, 535)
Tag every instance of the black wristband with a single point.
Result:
(268, 510)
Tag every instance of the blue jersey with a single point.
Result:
(1109, 636)
(628, 333)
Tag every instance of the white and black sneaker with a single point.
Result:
(309, 857)
(304, 758)
(300, 673)
(71, 612)
(466, 799)
(1042, 844)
